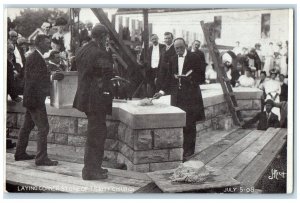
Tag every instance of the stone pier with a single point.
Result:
(145, 138)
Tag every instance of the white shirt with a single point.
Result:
(272, 86)
(155, 56)
(181, 62)
(18, 57)
(168, 46)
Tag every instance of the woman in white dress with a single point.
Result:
(269, 59)
(272, 89)
(282, 55)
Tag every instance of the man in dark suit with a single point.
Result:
(37, 86)
(83, 35)
(284, 89)
(152, 64)
(168, 53)
(196, 49)
(94, 98)
(182, 82)
(265, 119)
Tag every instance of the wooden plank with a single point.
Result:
(21, 175)
(214, 181)
(72, 169)
(150, 188)
(243, 159)
(214, 150)
(254, 171)
(229, 154)
(210, 138)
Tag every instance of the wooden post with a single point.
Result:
(120, 27)
(113, 21)
(146, 34)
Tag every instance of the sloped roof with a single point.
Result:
(158, 10)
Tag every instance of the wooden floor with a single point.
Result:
(241, 155)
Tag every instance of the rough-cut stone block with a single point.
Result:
(112, 129)
(61, 138)
(110, 156)
(63, 124)
(50, 138)
(164, 166)
(79, 151)
(256, 104)
(111, 145)
(11, 120)
(142, 168)
(126, 134)
(150, 156)
(77, 141)
(201, 125)
(225, 123)
(220, 109)
(209, 112)
(82, 125)
(168, 138)
(143, 140)
(244, 104)
(249, 113)
(176, 154)
(126, 151)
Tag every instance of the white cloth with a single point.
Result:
(273, 87)
(237, 50)
(246, 81)
(210, 74)
(155, 56)
(269, 60)
(228, 73)
(181, 62)
(18, 57)
(283, 64)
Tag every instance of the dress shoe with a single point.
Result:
(46, 162)
(24, 157)
(93, 175)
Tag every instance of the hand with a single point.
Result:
(157, 95)
(58, 76)
(175, 76)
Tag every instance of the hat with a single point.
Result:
(257, 45)
(269, 101)
(61, 21)
(98, 30)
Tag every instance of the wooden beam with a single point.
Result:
(113, 21)
(146, 34)
(99, 13)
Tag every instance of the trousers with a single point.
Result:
(94, 146)
(34, 117)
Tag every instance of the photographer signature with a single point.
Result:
(275, 174)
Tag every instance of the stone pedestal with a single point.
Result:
(62, 92)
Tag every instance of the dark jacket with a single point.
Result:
(189, 97)
(148, 61)
(84, 36)
(37, 81)
(94, 67)
(263, 122)
(168, 54)
(284, 92)
(201, 57)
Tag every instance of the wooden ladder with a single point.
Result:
(208, 31)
